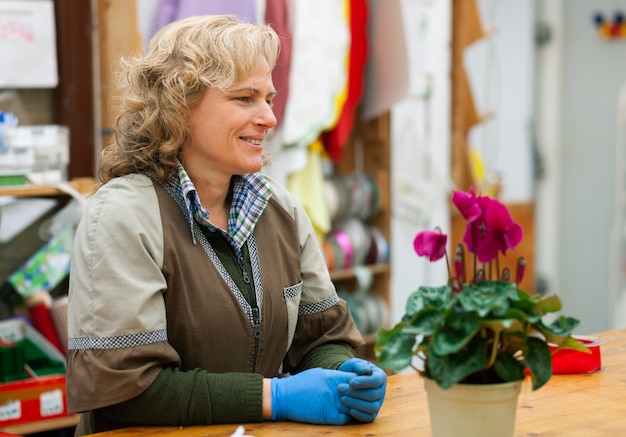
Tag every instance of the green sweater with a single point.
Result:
(210, 398)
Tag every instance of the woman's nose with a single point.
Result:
(266, 116)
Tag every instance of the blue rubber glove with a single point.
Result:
(363, 395)
(310, 396)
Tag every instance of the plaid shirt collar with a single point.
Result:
(251, 193)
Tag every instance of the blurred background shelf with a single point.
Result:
(84, 186)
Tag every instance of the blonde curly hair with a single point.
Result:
(183, 60)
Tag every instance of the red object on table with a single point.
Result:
(573, 361)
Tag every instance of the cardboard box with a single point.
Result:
(36, 398)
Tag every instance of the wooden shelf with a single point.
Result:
(82, 185)
(340, 275)
(43, 425)
(369, 151)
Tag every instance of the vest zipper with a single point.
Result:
(256, 312)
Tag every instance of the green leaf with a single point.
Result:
(458, 331)
(499, 325)
(559, 330)
(488, 296)
(425, 322)
(538, 359)
(520, 315)
(451, 369)
(572, 343)
(438, 297)
(509, 368)
(394, 349)
(549, 304)
(526, 302)
(564, 326)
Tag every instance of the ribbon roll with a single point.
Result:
(572, 361)
(342, 245)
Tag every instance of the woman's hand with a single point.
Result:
(363, 395)
(311, 396)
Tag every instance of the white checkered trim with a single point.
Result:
(117, 342)
(319, 306)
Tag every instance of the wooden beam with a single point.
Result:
(74, 100)
(119, 36)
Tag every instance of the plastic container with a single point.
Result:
(39, 147)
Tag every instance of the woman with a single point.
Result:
(197, 284)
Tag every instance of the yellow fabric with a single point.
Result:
(478, 168)
(307, 186)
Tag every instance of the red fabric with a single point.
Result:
(335, 139)
(277, 15)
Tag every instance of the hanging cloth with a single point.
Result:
(277, 16)
(172, 10)
(335, 139)
(318, 71)
(307, 186)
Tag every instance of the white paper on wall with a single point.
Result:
(27, 44)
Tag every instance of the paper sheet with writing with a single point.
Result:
(28, 57)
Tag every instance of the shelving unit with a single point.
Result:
(85, 186)
(369, 151)
(82, 185)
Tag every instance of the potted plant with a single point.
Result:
(481, 333)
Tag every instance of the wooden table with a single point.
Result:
(588, 405)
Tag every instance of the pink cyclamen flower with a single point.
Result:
(467, 204)
(431, 244)
(472, 208)
(499, 232)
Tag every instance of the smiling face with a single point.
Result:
(228, 128)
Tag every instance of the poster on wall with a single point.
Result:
(27, 44)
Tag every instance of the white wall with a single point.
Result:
(420, 134)
(146, 14)
(500, 68)
(548, 92)
(592, 74)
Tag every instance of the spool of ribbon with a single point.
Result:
(379, 248)
(353, 195)
(364, 194)
(360, 240)
(329, 254)
(338, 197)
(353, 243)
(342, 248)
(369, 311)
(567, 361)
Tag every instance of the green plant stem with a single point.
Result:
(416, 354)
(474, 260)
(448, 266)
(494, 349)
(498, 267)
